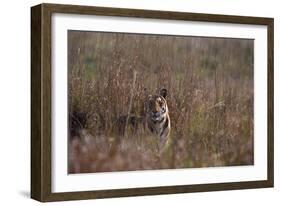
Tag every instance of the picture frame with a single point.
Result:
(41, 101)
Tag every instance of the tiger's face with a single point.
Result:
(156, 107)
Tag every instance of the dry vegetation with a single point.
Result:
(210, 99)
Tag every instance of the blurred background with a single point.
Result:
(210, 100)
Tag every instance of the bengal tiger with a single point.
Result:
(157, 117)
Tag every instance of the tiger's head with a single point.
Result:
(156, 107)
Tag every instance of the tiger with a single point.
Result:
(154, 119)
(157, 117)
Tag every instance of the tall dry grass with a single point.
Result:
(210, 99)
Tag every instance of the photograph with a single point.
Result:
(134, 102)
(157, 101)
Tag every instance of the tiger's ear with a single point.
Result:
(163, 92)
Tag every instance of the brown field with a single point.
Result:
(210, 100)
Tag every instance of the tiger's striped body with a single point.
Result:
(157, 117)
(155, 120)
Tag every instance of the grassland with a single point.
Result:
(210, 99)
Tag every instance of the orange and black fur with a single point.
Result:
(157, 117)
(155, 120)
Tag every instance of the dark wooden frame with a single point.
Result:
(41, 101)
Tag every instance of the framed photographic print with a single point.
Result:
(132, 102)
